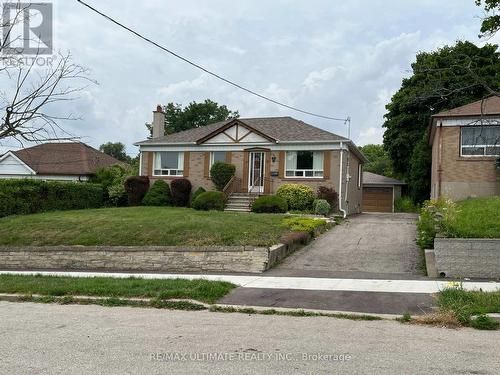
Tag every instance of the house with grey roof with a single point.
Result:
(267, 153)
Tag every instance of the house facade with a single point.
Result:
(66, 161)
(267, 153)
(465, 147)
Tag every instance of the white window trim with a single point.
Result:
(484, 146)
(304, 170)
(169, 171)
(360, 174)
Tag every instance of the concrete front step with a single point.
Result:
(239, 202)
(237, 209)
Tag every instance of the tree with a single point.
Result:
(29, 91)
(379, 160)
(194, 115)
(491, 23)
(449, 77)
(116, 150)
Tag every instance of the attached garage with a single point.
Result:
(379, 192)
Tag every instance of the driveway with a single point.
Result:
(370, 245)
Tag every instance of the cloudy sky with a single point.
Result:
(337, 58)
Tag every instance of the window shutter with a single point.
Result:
(206, 169)
(245, 170)
(281, 168)
(151, 156)
(186, 164)
(327, 158)
(229, 156)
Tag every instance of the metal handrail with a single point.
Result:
(230, 186)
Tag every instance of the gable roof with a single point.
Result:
(490, 106)
(377, 179)
(279, 129)
(64, 158)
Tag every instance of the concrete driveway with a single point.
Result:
(370, 245)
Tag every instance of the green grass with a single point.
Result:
(52, 286)
(464, 304)
(476, 218)
(166, 226)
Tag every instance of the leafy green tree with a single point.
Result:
(419, 176)
(449, 77)
(491, 23)
(194, 115)
(116, 150)
(379, 160)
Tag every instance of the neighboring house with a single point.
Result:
(267, 153)
(380, 192)
(465, 145)
(54, 161)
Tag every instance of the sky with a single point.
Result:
(335, 58)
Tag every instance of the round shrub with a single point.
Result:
(270, 203)
(180, 189)
(158, 195)
(221, 173)
(330, 195)
(197, 192)
(210, 200)
(321, 207)
(299, 197)
(136, 188)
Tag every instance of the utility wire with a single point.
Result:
(205, 69)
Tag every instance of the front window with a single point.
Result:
(168, 163)
(217, 156)
(307, 164)
(480, 141)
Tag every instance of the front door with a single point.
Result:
(256, 172)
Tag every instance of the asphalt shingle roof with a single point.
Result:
(65, 158)
(491, 106)
(377, 179)
(282, 129)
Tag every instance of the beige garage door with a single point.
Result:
(377, 199)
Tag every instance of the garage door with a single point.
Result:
(377, 199)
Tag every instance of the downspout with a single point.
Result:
(347, 177)
(344, 213)
(440, 154)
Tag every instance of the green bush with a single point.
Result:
(112, 179)
(270, 203)
(405, 204)
(158, 195)
(210, 200)
(433, 218)
(221, 173)
(181, 191)
(303, 224)
(299, 197)
(330, 195)
(18, 197)
(321, 207)
(197, 192)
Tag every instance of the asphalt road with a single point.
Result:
(72, 339)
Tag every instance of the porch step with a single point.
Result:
(238, 202)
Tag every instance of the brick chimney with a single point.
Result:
(158, 122)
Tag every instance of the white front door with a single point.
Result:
(256, 172)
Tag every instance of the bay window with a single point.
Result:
(306, 164)
(480, 141)
(168, 163)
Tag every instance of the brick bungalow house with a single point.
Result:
(267, 153)
(465, 146)
(60, 161)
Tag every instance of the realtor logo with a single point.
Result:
(27, 28)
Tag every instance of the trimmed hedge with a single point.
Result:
(158, 195)
(19, 197)
(181, 191)
(321, 207)
(197, 192)
(270, 203)
(221, 173)
(210, 200)
(136, 188)
(299, 197)
(330, 195)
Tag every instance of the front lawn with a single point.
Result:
(200, 290)
(476, 218)
(142, 226)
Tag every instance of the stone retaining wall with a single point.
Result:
(467, 257)
(137, 258)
